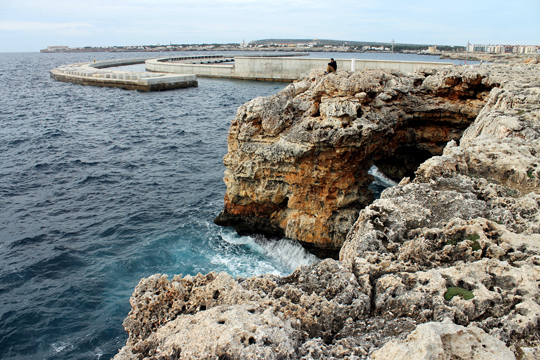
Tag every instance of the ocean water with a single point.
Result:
(100, 187)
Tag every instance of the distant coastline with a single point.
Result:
(98, 49)
(451, 55)
(286, 45)
(474, 52)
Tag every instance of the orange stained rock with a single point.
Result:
(306, 174)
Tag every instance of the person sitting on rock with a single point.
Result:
(332, 67)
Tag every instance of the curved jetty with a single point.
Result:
(272, 68)
(92, 73)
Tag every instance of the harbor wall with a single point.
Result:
(117, 62)
(281, 68)
(94, 74)
(226, 71)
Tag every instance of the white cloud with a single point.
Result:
(43, 26)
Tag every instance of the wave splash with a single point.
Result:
(278, 257)
(381, 177)
(380, 182)
(269, 256)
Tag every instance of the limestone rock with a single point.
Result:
(466, 219)
(313, 302)
(527, 353)
(445, 341)
(234, 332)
(297, 162)
(159, 300)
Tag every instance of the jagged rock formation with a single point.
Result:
(298, 161)
(509, 58)
(438, 340)
(468, 223)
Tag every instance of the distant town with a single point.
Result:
(265, 45)
(308, 45)
(504, 49)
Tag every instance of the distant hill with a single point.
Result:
(319, 41)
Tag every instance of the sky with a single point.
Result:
(31, 25)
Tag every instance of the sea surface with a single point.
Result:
(100, 187)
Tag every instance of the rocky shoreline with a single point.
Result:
(492, 58)
(445, 265)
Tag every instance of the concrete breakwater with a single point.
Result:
(187, 68)
(93, 74)
(275, 68)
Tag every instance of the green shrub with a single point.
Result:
(476, 246)
(473, 237)
(454, 240)
(457, 291)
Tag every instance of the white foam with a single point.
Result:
(61, 346)
(288, 252)
(379, 175)
(282, 254)
(233, 238)
(239, 265)
(98, 353)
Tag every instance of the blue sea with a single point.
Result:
(100, 187)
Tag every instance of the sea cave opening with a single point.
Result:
(389, 170)
(403, 162)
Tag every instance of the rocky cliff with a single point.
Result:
(298, 161)
(445, 265)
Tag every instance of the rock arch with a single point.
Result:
(298, 161)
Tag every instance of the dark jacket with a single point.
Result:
(333, 64)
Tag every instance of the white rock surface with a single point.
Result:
(445, 341)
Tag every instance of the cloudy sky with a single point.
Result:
(31, 25)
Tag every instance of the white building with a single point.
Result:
(57, 48)
(504, 49)
(476, 48)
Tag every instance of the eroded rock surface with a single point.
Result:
(468, 223)
(445, 340)
(298, 161)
